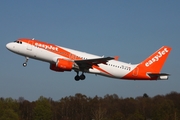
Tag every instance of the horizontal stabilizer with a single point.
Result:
(159, 76)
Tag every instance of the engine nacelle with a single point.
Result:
(54, 68)
(62, 65)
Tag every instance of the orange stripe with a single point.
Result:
(52, 48)
(100, 69)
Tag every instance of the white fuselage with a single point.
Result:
(113, 68)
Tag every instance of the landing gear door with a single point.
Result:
(29, 46)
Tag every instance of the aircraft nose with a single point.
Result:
(9, 46)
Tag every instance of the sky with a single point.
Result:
(131, 29)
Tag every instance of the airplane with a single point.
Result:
(64, 59)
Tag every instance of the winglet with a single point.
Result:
(116, 57)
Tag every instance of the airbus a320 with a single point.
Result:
(63, 59)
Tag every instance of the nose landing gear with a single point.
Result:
(25, 63)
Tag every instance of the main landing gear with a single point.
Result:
(81, 77)
(25, 63)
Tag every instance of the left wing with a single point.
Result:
(88, 63)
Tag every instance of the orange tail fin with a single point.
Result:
(150, 68)
(155, 62)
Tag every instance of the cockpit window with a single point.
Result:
(17, 41)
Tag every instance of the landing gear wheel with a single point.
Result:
(82, 76)
(24, 64)
(77, 78)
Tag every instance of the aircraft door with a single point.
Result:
(135, 72)
(29, 46)
(31, 51)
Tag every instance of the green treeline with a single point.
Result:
(81, 107)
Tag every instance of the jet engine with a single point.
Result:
(62, 65)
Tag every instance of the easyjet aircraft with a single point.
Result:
(64, 59)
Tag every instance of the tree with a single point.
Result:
(9, 109)
(163, 109)
(175, 97)
(26, 109)
(145, 95)
(9, 114)
(42, 110)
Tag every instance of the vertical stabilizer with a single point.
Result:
(155, 62)
(150, 68)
